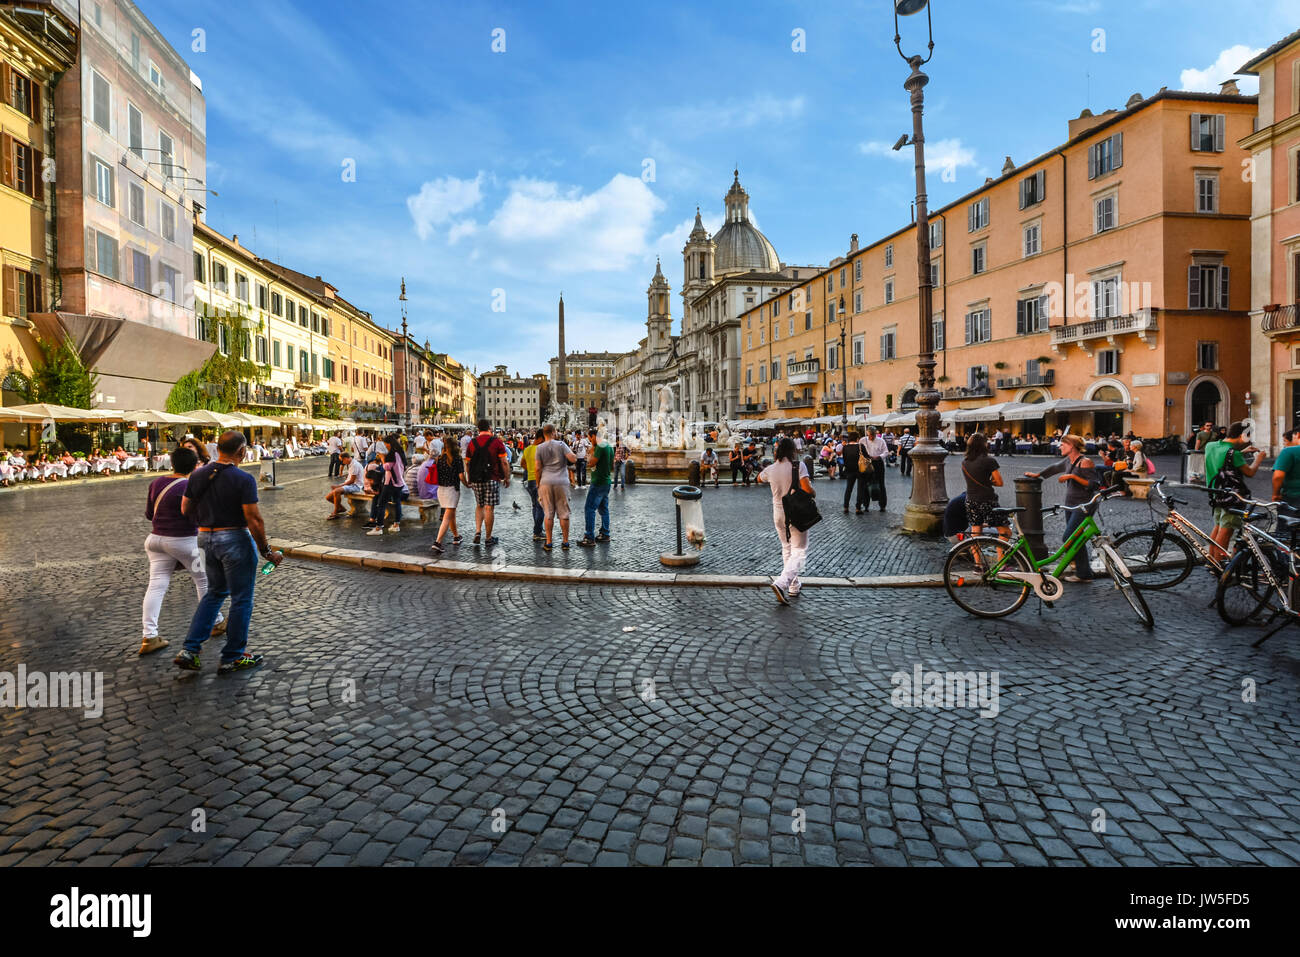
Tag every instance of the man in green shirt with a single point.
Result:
(1286, 470)
(600, 461)
(1204, 436)
(1234, 450)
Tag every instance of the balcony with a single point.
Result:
(795, 402)
(862, 395)
(1143, 324)
(306, 380)
(981, 391)
(1021, 381)
(1283, 319)
(803, 373)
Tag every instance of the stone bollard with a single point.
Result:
(811, 466)
(629, 473)
(693, 474)
(1029, 496)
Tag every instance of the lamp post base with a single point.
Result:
(924, 512)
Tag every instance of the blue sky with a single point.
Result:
(525, 170)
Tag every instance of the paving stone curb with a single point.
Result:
(420, 565)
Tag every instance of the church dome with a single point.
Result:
(740, 247)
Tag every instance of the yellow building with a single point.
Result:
(362, 354)
(35, 46)
(287, 325)
(1114, 268)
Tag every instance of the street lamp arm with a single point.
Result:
(906, 8)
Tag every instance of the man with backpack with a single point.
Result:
(1226, 471)
(486, 470)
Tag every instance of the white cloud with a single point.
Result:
(567, 230)
(466, 227)
(733, 114)
(1072, 6)
(941, 154)
(441, 199)
(1224, 68)
(668, 247)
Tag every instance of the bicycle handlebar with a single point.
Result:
(1102, 494)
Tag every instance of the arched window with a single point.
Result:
(1108, 393)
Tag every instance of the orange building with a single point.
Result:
(1114, 268)
(1275, 235)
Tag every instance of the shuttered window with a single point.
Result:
(1208, 286)
(977, 215)
(979, 326)
(1106, 156)
(1033, 189)
(1032, 315)
(1209, 131)
(23, 292)
(100, 102)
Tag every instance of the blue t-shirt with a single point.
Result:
(219, 493)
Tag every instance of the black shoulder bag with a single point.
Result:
(800, 508)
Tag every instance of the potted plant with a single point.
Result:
(943, 378)
(999, 365)
(1044, 360)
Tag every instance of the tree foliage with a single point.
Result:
(58, 376)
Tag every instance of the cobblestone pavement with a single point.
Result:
(628, 725)
(738, 522)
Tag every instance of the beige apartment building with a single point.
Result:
(1113, 268)
(1275, 228)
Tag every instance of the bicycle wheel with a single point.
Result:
(964, 575)
(1244, 591)
(1124, 582)
(1156, 557)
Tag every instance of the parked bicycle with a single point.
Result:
(990, 577)
(1165, 554)
(1264, 574)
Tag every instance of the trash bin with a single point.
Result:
(1029, 496)
(1194, 467)
(690, 526)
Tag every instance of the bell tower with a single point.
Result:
(659, 319)
(697, 259)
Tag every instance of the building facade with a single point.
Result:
(588, 376)
(1275, 240)
(508, 402)
(36, 46)
(723, 276)
(130, 145)
(246, 308)
(1113, 268)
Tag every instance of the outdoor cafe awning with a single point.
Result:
(154, 417)
(1035, 410)
(208, 417)
(988, 413)
(40, 412)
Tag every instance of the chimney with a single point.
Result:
(1229, 88)
(853, 243)
(1008, 166)
(1133, 101)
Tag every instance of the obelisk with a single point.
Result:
(561, 376)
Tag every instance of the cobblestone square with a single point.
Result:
(409, 719)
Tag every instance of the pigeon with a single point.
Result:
(516, 505)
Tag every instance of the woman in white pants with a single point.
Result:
(174, 542)
(780, 477)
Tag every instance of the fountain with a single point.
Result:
(663, 446)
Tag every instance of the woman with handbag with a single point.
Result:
(794, 512)
(982, 482)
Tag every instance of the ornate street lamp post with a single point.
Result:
(844, 371)
(924, 512)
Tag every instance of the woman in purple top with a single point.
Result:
(174, 542)
(390, 492)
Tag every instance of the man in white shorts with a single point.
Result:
(353, 473)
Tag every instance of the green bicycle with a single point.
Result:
(990, 577)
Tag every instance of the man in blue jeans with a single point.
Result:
(222, 499)
(601, 459)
